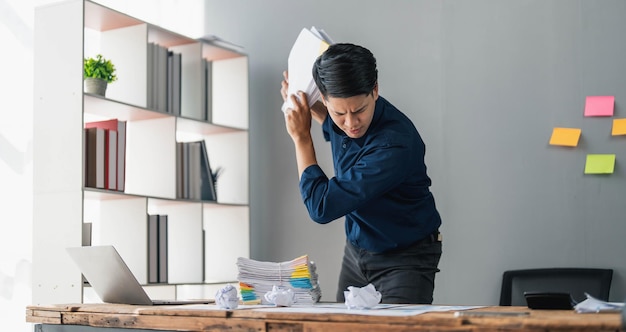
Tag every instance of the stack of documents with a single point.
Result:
(593, 305)
(308, 46)
(257, 278)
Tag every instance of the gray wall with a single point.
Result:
(485, 81)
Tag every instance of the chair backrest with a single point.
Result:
(575, 281)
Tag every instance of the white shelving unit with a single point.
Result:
(198, 231)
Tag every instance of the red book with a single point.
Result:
(115, 162)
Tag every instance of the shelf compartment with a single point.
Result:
(121, 223)
(184, 239)
(227, 237)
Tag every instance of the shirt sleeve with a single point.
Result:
(381, 167)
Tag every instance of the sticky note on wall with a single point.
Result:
(599, 105)
(619, 127)
(565, 136)
(600, 164)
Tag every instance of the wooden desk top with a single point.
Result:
(199, 318)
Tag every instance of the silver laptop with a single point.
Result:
(112, 280)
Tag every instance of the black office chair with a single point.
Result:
(575, 281)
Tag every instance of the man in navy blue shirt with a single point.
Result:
(380, 184)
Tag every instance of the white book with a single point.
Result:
(121, 155)
(111, 160)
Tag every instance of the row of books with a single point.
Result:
(164, 79)
(165, 84)
(105, 162)
(157, 248)
(105, 154)
(194, 176)
(256, 278)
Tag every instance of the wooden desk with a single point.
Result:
(91, 317)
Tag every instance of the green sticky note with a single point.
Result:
(600, 164)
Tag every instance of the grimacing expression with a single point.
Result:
(353, 115)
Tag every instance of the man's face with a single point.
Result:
(354, 114)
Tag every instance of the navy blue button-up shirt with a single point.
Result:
(380, 183)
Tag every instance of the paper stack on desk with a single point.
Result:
(257, 278)
(593, 305)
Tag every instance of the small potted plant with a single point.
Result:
(98, 72)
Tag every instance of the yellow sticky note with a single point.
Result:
(600, 164)
(619, 127)
(565, 136)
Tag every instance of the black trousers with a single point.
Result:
(401, 276)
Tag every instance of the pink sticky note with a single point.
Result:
(599, 105)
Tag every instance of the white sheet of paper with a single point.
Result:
(593, 305)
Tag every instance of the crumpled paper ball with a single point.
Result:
(280, 296)
(362, 298)
(226, 297)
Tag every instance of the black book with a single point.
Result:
(153, 248)
(163, 249)
(207, 178)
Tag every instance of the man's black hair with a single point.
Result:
(345, 70)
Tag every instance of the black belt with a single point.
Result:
(431, 238)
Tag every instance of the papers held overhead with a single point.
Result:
(308, 46)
